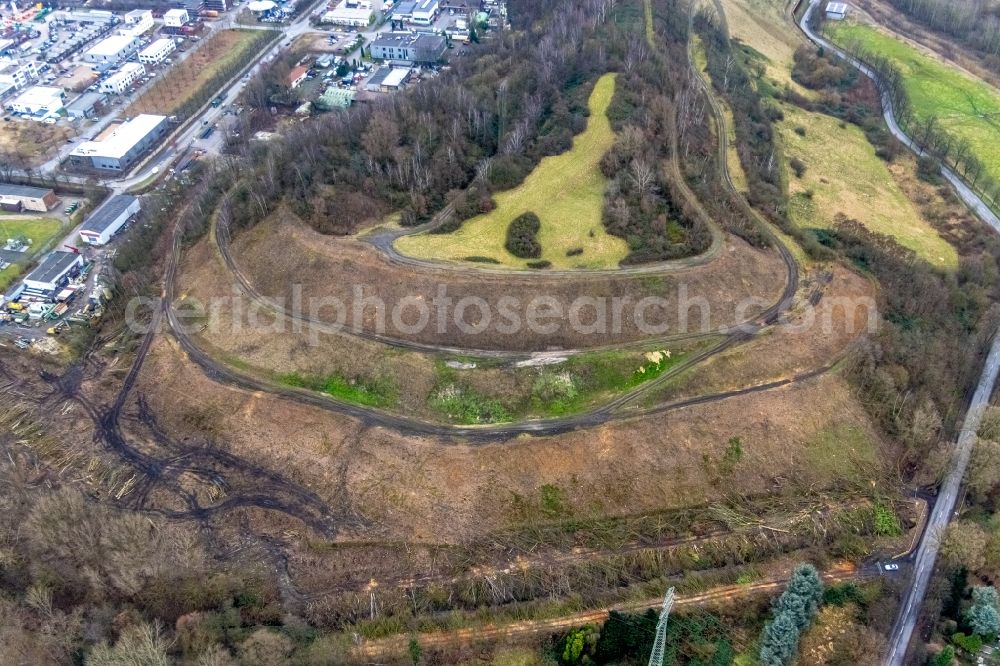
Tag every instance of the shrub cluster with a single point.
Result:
(522, 236)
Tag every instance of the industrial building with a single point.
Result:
(388, 79)
(120, 81)
(39, 101)
(175, 18)
(105, 222)
(157, 52)
(418, 12)
(408, 47)
(836, 11)
(87, 105)
(351, 13)
(22, 197)
(53, 272)
(123, 147)
(113, 49)
(17, 73)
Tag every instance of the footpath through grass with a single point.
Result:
(843, 175)
(565, 191)
(966, 107)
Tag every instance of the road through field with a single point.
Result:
(927, 551)
(970, 198)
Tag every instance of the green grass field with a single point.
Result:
(566, 192)
(40, 230)
(845, 176)
(966, 106)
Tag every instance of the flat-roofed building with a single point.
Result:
(138, 21)
(408, 47)
(352, 13)
(388, 79)
(175, 18)
(120, 81)
(40, 101)
(121, 149)
(53, 272)
(39, 199)
(157, 52)
(113, 49)
(105, 222)
(836, 11)
(87, 105)
(17, 73)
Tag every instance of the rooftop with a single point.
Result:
(122, 140)
(39, 96)
(389, 76)
(338, 97)
(10, 190)
(296, 74)
(127, 70)
(837, 7)
(53, 266)
(86, 101)
(155, 46)
(108, 214)
(110, 46)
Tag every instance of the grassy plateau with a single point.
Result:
(966, 106)
(844, 175)
(565, 191)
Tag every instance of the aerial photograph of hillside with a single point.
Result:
(500, 333)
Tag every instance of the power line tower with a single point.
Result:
(660, 643)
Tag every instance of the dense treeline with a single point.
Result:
(642, 205)
(445, 146)
(913, 374)
(975, 23)
(488, 121)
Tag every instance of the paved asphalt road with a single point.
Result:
(930, 543)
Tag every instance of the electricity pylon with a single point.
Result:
(660, 644)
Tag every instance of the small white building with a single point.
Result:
(105, 222)
(175, 18)
(113, 49)
(424, 12)
(138, 21)
(52, 272)
(120, 81)
(157, 52)
(836, 11)
(41, 101)
(17, 73)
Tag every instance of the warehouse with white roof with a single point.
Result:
(123, 147)
(113, 49)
